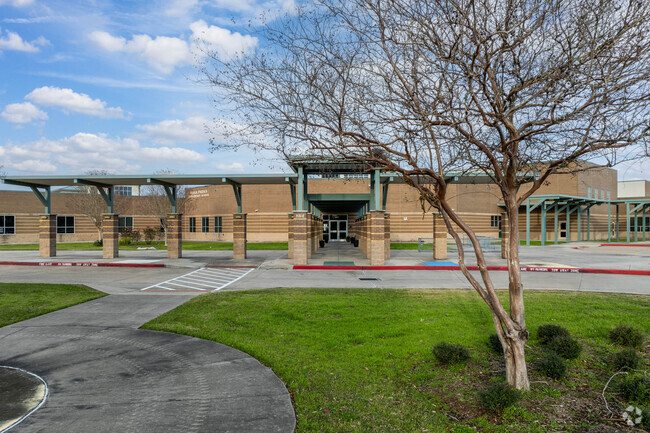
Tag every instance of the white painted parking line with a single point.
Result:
(203, 280)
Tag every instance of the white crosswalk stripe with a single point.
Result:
(203, 280)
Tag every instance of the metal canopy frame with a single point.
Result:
(105, 184)
(581, 205)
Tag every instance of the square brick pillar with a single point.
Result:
(308, 239)
(239, 236)
(439, 238)
(47, 235)
(175, 235)
(110, 235)
(290, 236)
(300, 227)
(376, 238)
(386, 236)
(505, 235)
(366, 235)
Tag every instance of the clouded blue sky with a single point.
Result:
(111, 85)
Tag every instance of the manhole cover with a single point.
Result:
(369, 279)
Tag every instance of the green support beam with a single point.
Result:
(236, 189)
(45, 197)
(170, 191)
(107, 195)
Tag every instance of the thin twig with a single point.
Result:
(606, 385)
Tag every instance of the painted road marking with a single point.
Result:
(203, 280)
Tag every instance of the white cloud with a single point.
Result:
(222, 42)
(162, 53)
(24, 112)
(235, 167)
(34, 166)
(13, 42)
(16, 3)
(190, 130)
(165, 53)
(85, 151)
(177, 8)
(67, 99)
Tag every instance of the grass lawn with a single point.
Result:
(187, 245)
(23, 301)
(360, 360)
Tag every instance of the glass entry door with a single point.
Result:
(338, 229)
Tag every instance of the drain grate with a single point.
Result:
(369, 279)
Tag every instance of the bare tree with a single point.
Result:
(86, 200)
(158, 204)
(517, 90)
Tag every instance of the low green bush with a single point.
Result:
(98, 243)
(495, 344)
(499, 396)
(125, 241)
(546, 333)
(553, 366)
(628, 336)
(565, 346)
(626, 358)
(635, 388)
(447, 353)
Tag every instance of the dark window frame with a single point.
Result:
(495, 221)
(66, 228)
(4, 230)
(218, 224)
(121, 227)
(205, 224)
(192, 225)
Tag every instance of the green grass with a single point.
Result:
(187, 245)
(23, 301)
(360, 360)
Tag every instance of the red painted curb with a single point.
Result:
(475, 268)
(85, 264)
(625, 245)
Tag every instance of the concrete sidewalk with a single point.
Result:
(105, 375)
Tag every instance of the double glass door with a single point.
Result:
(338, 229)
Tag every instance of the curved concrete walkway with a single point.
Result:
(105, 375)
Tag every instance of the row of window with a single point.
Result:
(600, 196)
(205, 224)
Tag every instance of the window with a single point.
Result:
(205, 224)
(495, 221)
(7, 225)
(123, 190)
(217, 225)
(588, 192)
(64, 224)
(125, 223)
(192, 225)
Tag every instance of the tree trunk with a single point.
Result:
(516, 370)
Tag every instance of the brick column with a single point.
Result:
(47, 235)
(110, 235)
(239, 236)
(505, 234)
(290, 236)
(300, 226)
(386, 236)
(366, 235)
(376, 238)
(439, 238)
(175, 235)
(308, 239)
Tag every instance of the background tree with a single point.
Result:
(517, 90)
(157, 203)
(86, 200)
